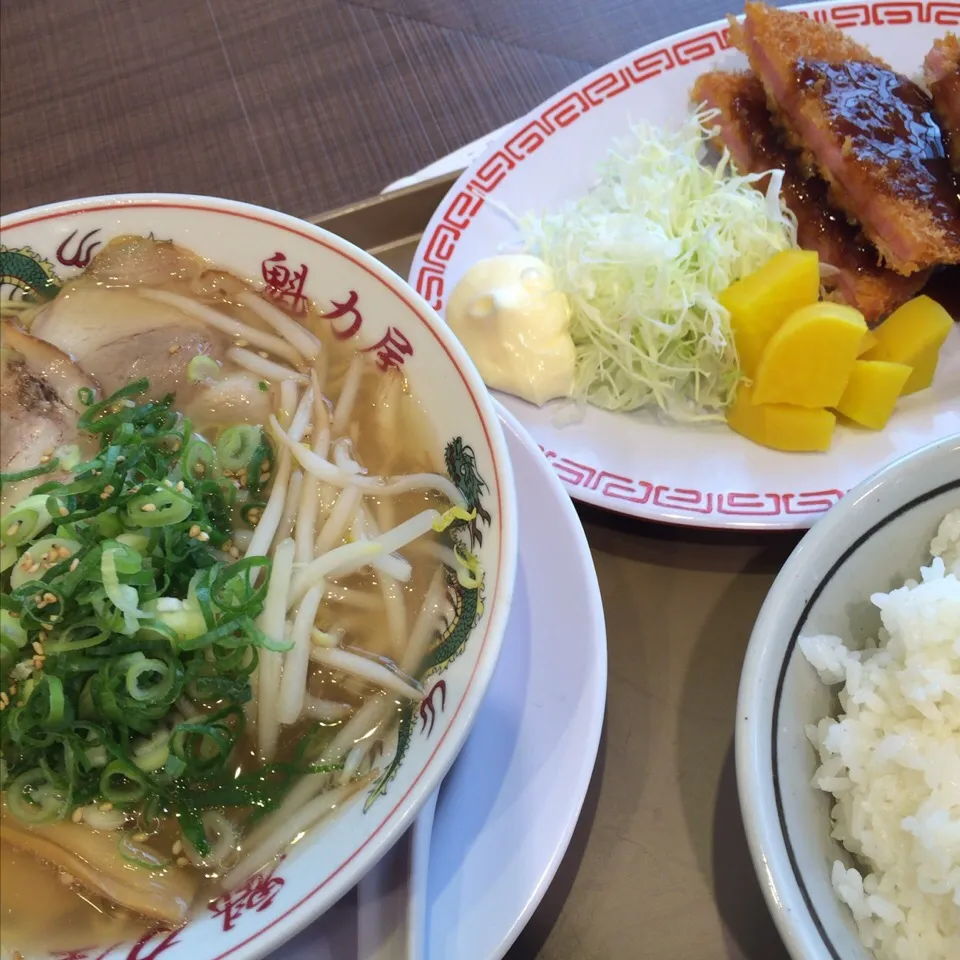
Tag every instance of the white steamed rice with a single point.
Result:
(891, 761)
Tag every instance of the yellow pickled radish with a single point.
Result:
(808, 360)
(872, 392)
(868, 342)
(779, 425)
(923, 371)
(910, 332)
(762, 300)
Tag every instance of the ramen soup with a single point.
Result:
(225, 555)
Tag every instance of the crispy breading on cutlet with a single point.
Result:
(837, 103)
(791, 34)
(745, 128)
(941, 69)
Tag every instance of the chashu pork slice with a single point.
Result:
(39, 408)
(867, 130)
(746, 129)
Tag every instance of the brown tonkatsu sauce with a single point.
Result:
(886, 122)
(944, 287)
(807, 194)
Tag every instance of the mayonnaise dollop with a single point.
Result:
(515, 325)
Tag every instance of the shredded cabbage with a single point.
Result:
(642, 258)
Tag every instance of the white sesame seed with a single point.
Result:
(77, 815)
(177, 848)
(182, 862)
(149, 507)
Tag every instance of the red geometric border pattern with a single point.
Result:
(595, 90)
(615, 486)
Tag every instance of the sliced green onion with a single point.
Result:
(39, 471)
(32, 798)
(237, 445)
(159, 508)
(124, 597)
(68, 455)
(151, 755)
(205, 745)
(201, 367)
(232, 589)
(260, 463)
(126, 558)
(48, 702)
(108, 524)
(25, 521)
(96, 756)
(140, 542)
(199, 459)
(122, 783)
(12, 629)
(94, 419)
(138, 611)
(40, 559)
(149, 680)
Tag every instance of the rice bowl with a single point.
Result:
(891, 761)
(870, 546)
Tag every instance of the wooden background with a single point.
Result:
(299, 105)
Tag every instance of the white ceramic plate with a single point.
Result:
(501, 825)
(703, 476)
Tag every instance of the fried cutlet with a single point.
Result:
(867, 130)
(941, 70)
(746, 129)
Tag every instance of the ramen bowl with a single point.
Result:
(873, 541)
(292, 262)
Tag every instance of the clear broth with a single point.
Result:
(391, 434)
